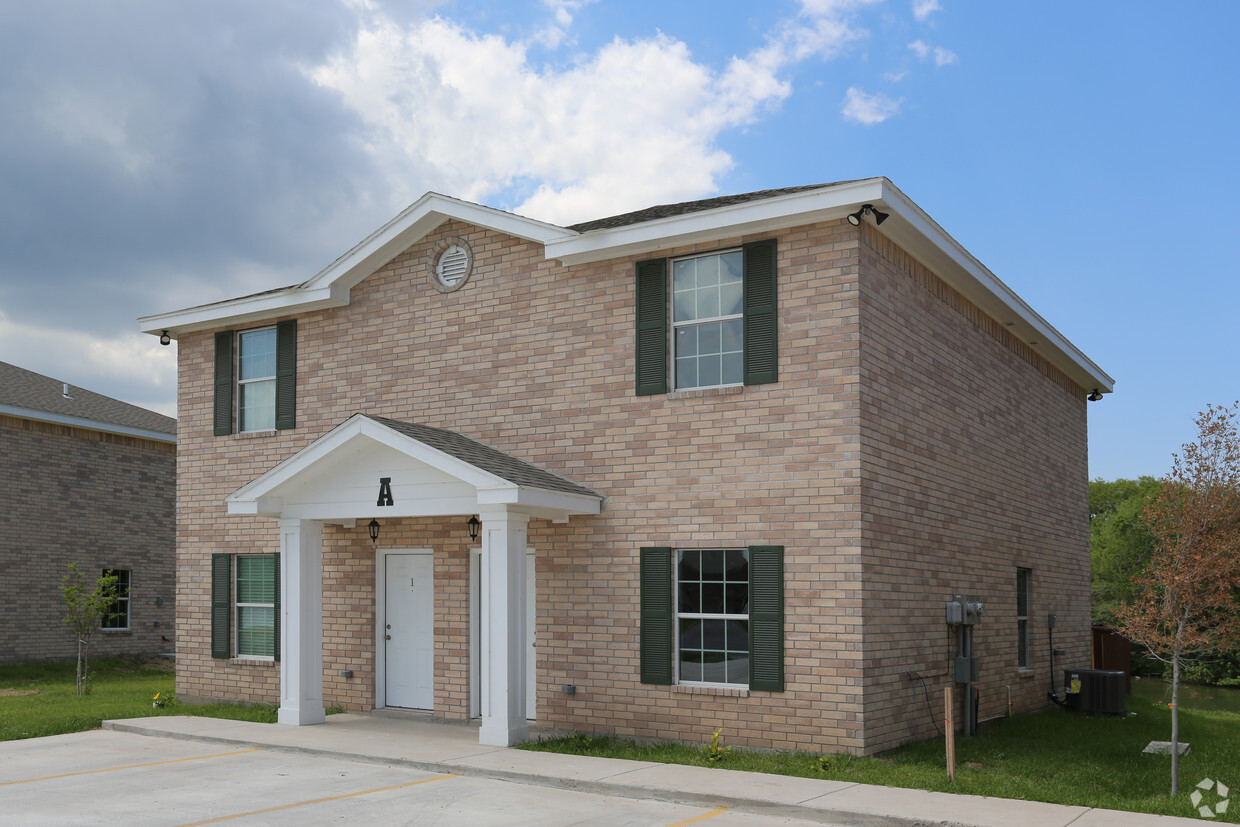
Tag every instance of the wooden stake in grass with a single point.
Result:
(949, 729)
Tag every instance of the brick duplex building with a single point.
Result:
(90, 480)
(727, 462)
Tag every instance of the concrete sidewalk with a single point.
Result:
(435, 746)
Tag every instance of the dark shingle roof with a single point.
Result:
(485, 457)
(29, 391)
(685, 207)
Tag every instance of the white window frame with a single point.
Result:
(239, 396)
(678, 616)
(697, 322)
(121, 600)
(237, 606)
(1022, 620)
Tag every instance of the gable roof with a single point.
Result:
(30, 395)
(662, 228)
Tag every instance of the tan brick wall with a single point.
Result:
(974, 464)
(536, 359)
(72, 495)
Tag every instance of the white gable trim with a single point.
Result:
(447, 485)
(330, 286)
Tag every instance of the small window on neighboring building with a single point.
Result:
(256, 605)
(1022, 617)
(116, 616)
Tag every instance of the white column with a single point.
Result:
(503, 628)
(301, 623)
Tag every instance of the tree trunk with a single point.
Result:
(1175, 724)
(77, 675)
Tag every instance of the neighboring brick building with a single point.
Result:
(89, 480)
(749, 446)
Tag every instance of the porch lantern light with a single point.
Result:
(474, 524)
(373, 527)
(164, 338)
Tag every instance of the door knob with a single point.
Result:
(387, 637)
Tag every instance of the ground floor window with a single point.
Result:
(116, 616)
(713, 616)
(245, 605)
(1022, 617)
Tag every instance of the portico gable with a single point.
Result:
(372, 467)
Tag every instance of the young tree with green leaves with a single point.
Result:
(1184, 602)
(85, 611)
(1120, 543)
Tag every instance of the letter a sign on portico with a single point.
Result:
(385, 491)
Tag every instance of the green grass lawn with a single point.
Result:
(1053, 756)
(38, 699)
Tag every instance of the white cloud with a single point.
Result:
(634, 123)
(868, 109)
(924, 8)
(925, 51)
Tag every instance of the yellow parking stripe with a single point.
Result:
(128, 767)
(702, 817)
(317, 801)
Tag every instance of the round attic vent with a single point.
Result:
(452, 265)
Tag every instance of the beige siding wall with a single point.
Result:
(537, 360)
(974, 464)
(71, 495)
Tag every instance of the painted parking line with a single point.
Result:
(317, 801)
(702, 817)
(127, 767)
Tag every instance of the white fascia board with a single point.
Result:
(330, 286)
(914, 230)
(86, 424)
(541, 499)
(750, 217)
(250, 309)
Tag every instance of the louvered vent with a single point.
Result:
(453, 266)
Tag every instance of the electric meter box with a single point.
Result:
(967, 670)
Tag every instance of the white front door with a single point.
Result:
(409, 633)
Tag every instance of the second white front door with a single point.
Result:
(409, 645)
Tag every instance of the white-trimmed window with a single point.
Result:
(116, 616)
(712, 616)
(708, 325)
(256, 380)
(1023, 577)
(256, 605)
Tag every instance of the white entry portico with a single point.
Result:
(371, 467)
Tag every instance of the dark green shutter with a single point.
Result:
(221, 605)
(276, 612)
(657, 620)
(761, 317)
(286, 375)
(651, 347)
(766, 618)
(223, 383)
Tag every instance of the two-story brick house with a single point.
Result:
(726, 461)
(89, 480)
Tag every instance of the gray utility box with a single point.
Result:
(1096, 691)
(967, 670)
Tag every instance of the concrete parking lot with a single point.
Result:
(106, 777)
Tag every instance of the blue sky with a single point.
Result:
(160, 155)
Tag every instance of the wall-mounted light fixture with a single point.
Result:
(1095, 396)
(474, 525)
(854, 218)
(373, 527)
(165, 339)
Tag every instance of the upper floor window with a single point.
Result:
(256, 379)
(722, 320)
(707, 320)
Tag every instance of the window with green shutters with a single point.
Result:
(245, 606)
(711, 323)
(712, 616)
(256, 379)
